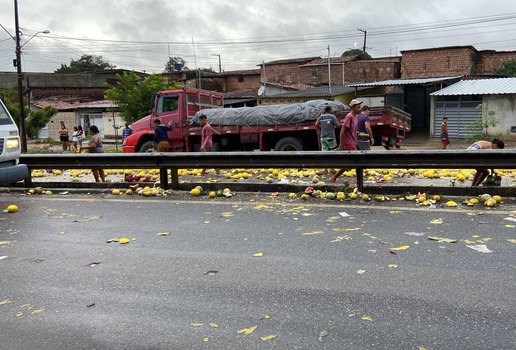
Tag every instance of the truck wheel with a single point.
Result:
(289, 144)
(147, 147)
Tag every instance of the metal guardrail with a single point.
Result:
(359, 160)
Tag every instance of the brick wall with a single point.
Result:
(372, 70)
(87, 93)
(488, 62)
(341, 73)
(288, 73)
(242, 82)
(438, 62)
(317, 75)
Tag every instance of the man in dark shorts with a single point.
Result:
(63, 136)
(348, 133)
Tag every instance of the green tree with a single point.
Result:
(87, 63)
(508, 69)
(38, 119)
(10, 98)
(175, 64)
(134, 96)
(35, 120)
(356, 52)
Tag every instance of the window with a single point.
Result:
(4, 117)
(240, 78)
(167, 103)
(315, 73)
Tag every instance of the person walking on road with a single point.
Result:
(161, 136)
(365, 133)
(206, 138)
(348, 133)
(327, 122)
(95, 146)
(482, 173)
(445, 141)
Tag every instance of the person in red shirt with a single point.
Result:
(206, 138)
(348, 133)
(206, 134)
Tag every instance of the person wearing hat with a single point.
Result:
(348, 133)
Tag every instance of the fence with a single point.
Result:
(359, 160)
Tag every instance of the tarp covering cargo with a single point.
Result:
(268, 115)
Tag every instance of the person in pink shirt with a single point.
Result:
(348, 133)
(206, 138)
(206, 134)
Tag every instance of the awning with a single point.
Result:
(497, 86)
(395, 82)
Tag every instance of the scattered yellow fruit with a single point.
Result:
(195, 192)
(292, 195)
(451, 204)
(365, 197)
(12, 208)
(497, 198)
(436, 198)
(124, 240)
(116, 192)
(212, 194)
(58, 172)
(304, 196)
(491, 202)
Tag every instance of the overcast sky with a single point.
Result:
(140, 34)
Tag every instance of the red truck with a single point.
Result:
(281, 128)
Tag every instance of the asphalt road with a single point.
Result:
(323, 281)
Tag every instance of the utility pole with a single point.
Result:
(329, 72)
(220, 64)
(264, 77)
(365, 38)
(19, 76)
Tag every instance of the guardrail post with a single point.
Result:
(174, 178)
(360, 179)
(163, 178)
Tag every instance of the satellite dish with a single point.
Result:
(261, 90)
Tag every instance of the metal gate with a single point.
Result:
(461, 116)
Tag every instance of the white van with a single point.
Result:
(10, 170)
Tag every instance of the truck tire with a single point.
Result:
(147, 147)
(289, 144)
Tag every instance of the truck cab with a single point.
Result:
(10, 169)
(173, 107)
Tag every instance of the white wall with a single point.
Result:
(503, 107)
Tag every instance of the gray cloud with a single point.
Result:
(153, 23)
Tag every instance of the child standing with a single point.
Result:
(74, 139)
(445, 141)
